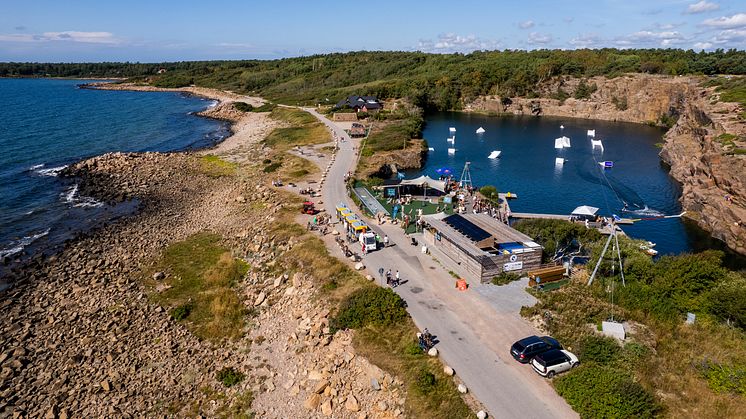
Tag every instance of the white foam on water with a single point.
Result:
(71, 196)
(52, 171)
(21, 244)
(646, 211)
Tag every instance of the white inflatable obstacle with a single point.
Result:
(495, 154)
(591, 132)
(480, 130)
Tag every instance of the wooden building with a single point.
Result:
(483, 246)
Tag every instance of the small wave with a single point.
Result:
(72, 197)
(52, 171)
(21, 244)
(645, 211)
(36, 166)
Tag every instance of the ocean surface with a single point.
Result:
(638, 185)
(48, 124)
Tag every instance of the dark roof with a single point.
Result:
(354, 101)
(391, 182)
(551, 355)
(466, 227)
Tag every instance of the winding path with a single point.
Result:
(475, 328)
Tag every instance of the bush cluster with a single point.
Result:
(597, 391)
(229, 376)
(181, 312)
(599, 349)
(243, 106)
(370, 306)
(505, 278)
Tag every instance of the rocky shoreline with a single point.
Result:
(713, 185)
(82, 337)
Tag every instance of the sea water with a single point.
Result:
(48, 124)
(637, 186)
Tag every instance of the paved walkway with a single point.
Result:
(475, 328)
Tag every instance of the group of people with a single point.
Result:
(486, 207)
(425, 340)
(392, 281)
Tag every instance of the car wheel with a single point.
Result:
(550, 374)
(574, 365)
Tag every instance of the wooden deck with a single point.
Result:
(529, 215)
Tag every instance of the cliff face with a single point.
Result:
(712, 178)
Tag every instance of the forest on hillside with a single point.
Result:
(435, 81)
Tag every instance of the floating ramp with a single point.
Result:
(495, 154)
(480, 130)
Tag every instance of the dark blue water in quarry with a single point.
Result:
(47, 124)
(527, 166)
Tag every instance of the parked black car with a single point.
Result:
(525, 349)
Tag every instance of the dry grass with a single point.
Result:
(201, 276)
(214, 166)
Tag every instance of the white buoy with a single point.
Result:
(562, 127)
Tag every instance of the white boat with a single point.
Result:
(451, 151)
(562, 127)
(430, 149)
(562, 142)
(495, 154)
(606, 164)
(651, 252)
(591, 132)
(480, 130)
(559, 161)
(452, 129)
(451, 139)
(597, 143)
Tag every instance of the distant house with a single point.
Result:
(357, 130)
(360, 103)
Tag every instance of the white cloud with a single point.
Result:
(727, 22)
(65, 36)
(536, 38)
(451, 42)
(589, 40)
(648, 38)
(702, 7)
(527, 24)
(732, 37)
(667, 26)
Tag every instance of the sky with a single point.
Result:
(181, 30)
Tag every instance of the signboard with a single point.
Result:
(513, 266)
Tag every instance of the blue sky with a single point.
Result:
(167, 30)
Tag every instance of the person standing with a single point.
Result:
(396, 279)
(385, 240)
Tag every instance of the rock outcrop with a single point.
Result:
(712, 177)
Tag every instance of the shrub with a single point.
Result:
(267, 107)
(425, 382)
(599, 349)
(724, 378)
(727, 301)
(243, 106)
(584, 91)
(272, 167)
(181, 312)
(620, 103)
(597, 391)
(370, 305)
(505, 278)
(489, 192)
(229, 376)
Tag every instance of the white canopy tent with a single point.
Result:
(585, 212)
(426, 180)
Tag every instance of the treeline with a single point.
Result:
(440, 81)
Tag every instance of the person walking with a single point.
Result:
(397, 278)
(388, 277)
(385, 241)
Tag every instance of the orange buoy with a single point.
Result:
(461, 284)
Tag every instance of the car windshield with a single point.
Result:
(518, 346)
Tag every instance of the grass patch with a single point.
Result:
(203, 274)
(214, 166)
(304, 129)
(430, 393)
(295, 168)
(731, 89)
(229, 376)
